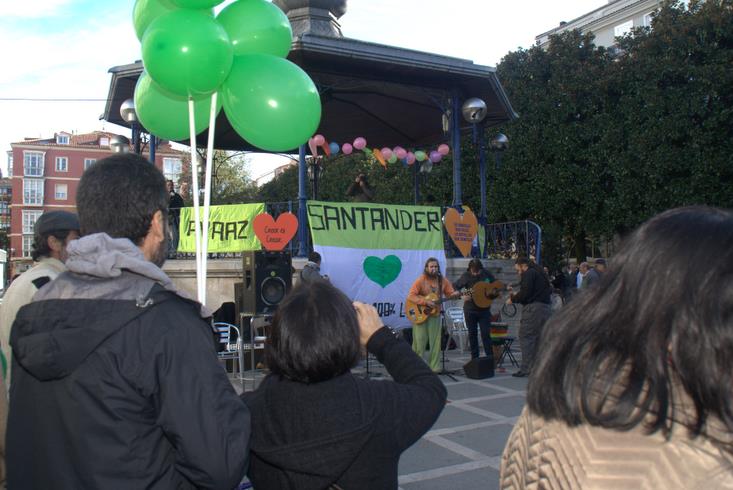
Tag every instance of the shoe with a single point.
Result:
(520, 374)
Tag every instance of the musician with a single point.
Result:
(430, 283)
(475, 315)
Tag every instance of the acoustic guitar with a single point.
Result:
(418, 314)
(484, 293)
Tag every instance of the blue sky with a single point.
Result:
(63, 49)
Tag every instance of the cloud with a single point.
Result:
(31, 9)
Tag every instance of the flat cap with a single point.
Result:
(56, 221)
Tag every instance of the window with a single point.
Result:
(27, 245)
(623, 29)
(88, 162)
(29, 220)
(172, 168)
(33, 191)
(62, 164)
(62, 139)
(103, 141)
(10, 163)
(647, 21)
(33, 163)
(61, 191)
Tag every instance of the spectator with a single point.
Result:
(116, 381)
(315, 425)
(52, 233)
(590, 276)
(360, 189)
(600, 267)
(312, 269)
(634, 388)
(175, 203)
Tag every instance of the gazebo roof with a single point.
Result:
(391, 96)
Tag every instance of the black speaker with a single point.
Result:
(267, 278)
(479, 368)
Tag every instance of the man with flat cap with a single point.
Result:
(52, 233)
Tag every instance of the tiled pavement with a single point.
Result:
(463, 449)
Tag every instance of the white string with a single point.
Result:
(200, 286)
(207, 193)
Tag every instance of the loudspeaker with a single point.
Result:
(267, 278)
(479, 368)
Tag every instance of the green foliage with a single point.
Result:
(230, 181)
(604, 142)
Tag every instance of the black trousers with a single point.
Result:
(475, 320)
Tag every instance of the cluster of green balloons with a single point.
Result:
(190, 53)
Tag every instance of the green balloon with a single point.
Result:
(145, 11)
(271, 102)
(187, 52)
(166, 115)
(392, 159)
(420, 156)
(257, 26)
(196, 4)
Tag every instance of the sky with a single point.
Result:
(55, 54)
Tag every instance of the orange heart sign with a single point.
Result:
(275, 235)
(462, 229)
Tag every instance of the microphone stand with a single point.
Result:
(443, 371)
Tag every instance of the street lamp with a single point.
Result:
(128, 114)
(498, 144)
(474, 112)
(119, 144)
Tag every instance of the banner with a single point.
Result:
(230, 228)
(374, 252)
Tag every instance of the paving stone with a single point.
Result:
(488, 441)
(426, 455)
(509, 406)
(462, 390)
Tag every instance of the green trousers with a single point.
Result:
(428, 331)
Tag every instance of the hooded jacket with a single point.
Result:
(346, 431)
(116, 383)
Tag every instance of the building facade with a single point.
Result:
(612, 20)
(45, 175)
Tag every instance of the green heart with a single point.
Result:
(382, 271)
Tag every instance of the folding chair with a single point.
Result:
(232, 346)
(457, 326)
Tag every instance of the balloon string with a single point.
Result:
(207, 188)
(200, 286)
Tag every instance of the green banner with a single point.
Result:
(230, 228)
(378, 226)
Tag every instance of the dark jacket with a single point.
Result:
(117, 385)
(346, 430)
(468, 280)
(534, 287)
(360, 191)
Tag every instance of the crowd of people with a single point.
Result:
(115, 381)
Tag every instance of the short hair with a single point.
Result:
(475, 265)
(119, 195)
(314, 335)
(614, 356)
(314, 257)
(40, 246)
(522, 260)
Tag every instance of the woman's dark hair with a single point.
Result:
(475, 265)
(119, 195)
(40, 243)
(314, 257)
(315, 334)
(661, 321)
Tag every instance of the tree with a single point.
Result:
(604, 142)
(230, 181)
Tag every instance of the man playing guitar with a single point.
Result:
(429, 290)
(477, 308)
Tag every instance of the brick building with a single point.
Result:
(45, 174)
